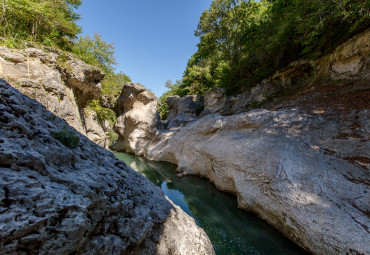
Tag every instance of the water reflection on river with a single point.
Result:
(231, 230)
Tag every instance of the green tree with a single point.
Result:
(49, 22)
(173, 89)
(243, 42)
(225, 54)
(95, 51)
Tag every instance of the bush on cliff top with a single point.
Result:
(53, 23)
(243, 42)
(49, 22)
(102, 112)
(95, 51)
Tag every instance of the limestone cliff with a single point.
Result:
(302, 164)
(137, 118)
(60, 81)
(347, 65)
(80, 199)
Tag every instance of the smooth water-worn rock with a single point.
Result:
(231, 230)
(291, 168)
(302, 166)
(80, 200)
(59, 81)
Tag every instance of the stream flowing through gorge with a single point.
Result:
(231, 230)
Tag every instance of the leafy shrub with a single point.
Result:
(243, 42)
(67, 137)
(173, 89)
(112, 136)
(102, 112)
(49, 22)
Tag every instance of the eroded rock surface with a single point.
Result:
(61, 200)
(183, 110)
(137, 118)
(59, 81)
(214, 101)
(290, 167)
(303, 165)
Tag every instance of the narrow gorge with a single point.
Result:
(247, 132)
(301, 163)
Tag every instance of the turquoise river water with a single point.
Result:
(232, 231)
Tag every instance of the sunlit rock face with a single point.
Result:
(137, 118)
(301, 167)
(290, 167)
(81, 200)
(59, 81)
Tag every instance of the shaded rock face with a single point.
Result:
(94, 129)
(107, 102)
(347, 63)
(214, 101)
(183, 110)
(78, 201)
(84, 79)
(137, 118)
(62, 83)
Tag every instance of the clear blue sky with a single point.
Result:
(153, 39)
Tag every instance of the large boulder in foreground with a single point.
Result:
(78, 198)
(137, 118)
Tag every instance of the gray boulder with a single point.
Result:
(137, 118)
(183, 110)
(214, 101)
(55, 199)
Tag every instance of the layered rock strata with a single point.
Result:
(80, 200)
(60, 81)
(347, 64)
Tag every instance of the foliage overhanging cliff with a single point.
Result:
(243, 42)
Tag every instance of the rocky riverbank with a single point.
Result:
(63, 194)
(302, 163)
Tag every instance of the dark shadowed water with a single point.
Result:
(231, 230)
